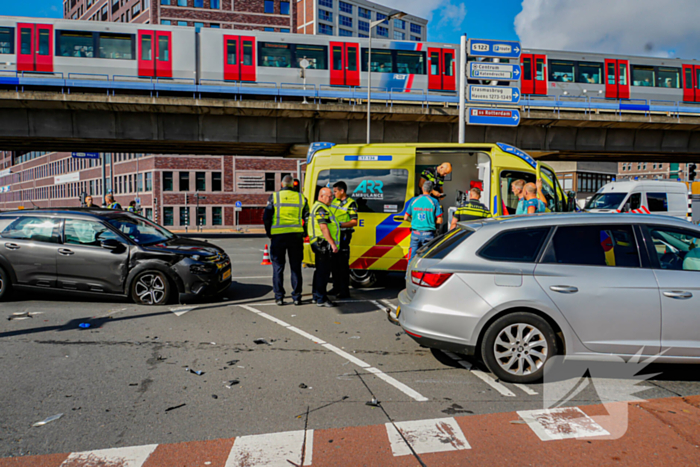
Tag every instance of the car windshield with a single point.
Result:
(606, 201)
(140, 230)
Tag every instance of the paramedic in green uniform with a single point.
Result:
(425, 214)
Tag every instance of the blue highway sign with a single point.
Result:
(495, 71)
(238, 204)
(86, 155)
(498, 117)
(494, 94)
(491, 48)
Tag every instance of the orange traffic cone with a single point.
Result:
(266, 257)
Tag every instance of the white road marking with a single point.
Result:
(366, 366)
(379, 306)
(527, 390)
(182, 311)
(271, 450)
(491, 381)
(561, 423)
(426, 436)
(389, 304)
(134, 456)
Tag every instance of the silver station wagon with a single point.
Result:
(518, 290)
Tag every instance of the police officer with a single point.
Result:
(437, 176)
(284, 218)
(324, 237)
(131, 207)
(344, 209)
(425, 214)
(471, 210)
(111, 204)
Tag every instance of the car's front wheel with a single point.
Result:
(150, 288)
(5, 285)
(517, 346)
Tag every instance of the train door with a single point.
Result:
(35, 47)
(691, 83)
(617, 83)
(239, 58)
(344, 67)
(534, 77)
(441, 69)
(155, 54)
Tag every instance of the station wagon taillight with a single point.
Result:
(429, 279)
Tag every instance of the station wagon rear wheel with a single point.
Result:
(516, 347)
(5, 285)
(150, 288)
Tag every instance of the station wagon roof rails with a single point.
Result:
(314, 148)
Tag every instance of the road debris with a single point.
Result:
(214, 396)
(175, 407)
(84, 325)
(196, 372)
(232, 362)
(23, 315)
(48, 420)
(354, 337)
(231, 383)
(261, 341)
(373, 403)
(303, 386)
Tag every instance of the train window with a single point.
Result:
(337, 58)
(43, 42)
(315, 54)
(75, 44)
(623, 74)
(697, 77)
(449, 68)
(688, 78)
(231, 52)
(589, 73)
(6, 42)
(527, 71)
(611, 73)
(561, 71)
(146, 47)
(275, 54)
(643, 75)
(117, 46)
(352, 59)
(434, 63)
(247, 52)
(539, 69)
(381, 61)
(669, 78)
(163, 49)
(25, 41)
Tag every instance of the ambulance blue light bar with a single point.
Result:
(517, 152)
(314, 148)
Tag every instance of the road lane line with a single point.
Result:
(271, 450)
(134, 456)
(379, 306)
(181, 311)
(426, 436)
(561, 423)
(389, 304)
(366, 366)
(491, 381)
(527, 390)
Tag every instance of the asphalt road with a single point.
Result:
(126, 379)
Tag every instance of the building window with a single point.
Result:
(146, 4)
(184, 181)
(285, 30)
(344, 32)
(364, 13)
(149, 181)
(326, 3)
(382, 31)
(167, 181)
(216, 181)
(165, 2)
(416, 28)
(325, 29)
(181, 2)
(214, 5)
(269, 6)
(168, 216)
(269, 29)
(215, 26)
(415, 39)
(148, 213)
(269, 181)
(362, 35)
(345, 21)
(184, 215)
(399, 36)
(216, 218)
(345, 7)
(399, 23)
(325, 15)
(135, 10)
(284, 8)
(198, 26)
(381, 16)
(182, 23)
(201, 215)
(363, 26)
(201, 181)
(199, 3)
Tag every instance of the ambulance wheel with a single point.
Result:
(360, 279)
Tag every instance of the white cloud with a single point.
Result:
(637, 27)
(450, 14)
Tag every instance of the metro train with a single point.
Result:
(129, 53)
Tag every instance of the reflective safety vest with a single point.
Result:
(472, 209)
(289, 208)
(131, 209)
(113, 205)
(341, 209)
(320, 211)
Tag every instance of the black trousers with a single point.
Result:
(322, 275)
(283, 245)
(341, 265)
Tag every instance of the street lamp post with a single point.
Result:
(393, 14)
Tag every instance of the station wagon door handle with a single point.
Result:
(65, 251)
(678, 295)
(11, 246)
(563, 289)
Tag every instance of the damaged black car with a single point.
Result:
(106, 252)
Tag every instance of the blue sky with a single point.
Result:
(663, 28)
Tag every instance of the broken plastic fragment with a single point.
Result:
(232, 362)
(84, 325)
(175, 407)
(373, 403)
(231, 383)
(261, 341)
(196, 372)
(48, 420)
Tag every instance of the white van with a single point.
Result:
(659, 197)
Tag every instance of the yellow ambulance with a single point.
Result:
(383, 178)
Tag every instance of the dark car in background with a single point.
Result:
(106, 252)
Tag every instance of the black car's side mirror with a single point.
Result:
(111, 244)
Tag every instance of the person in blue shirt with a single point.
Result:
(517, 187)
(425, 214)
(533, 205)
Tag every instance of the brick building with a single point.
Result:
(162, 183)
(262, 15)
(351, 18)
(653, 170)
